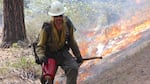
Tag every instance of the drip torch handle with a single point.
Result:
(91, 58)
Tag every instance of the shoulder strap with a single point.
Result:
(47, 27)
(69, 23)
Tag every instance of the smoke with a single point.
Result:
(111, 11)
(132, 6)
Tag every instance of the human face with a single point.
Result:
(58, 19)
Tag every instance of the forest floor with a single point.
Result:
(17, 67)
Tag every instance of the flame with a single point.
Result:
(113, 32)
(128, 34)
(57, 82)
(84, 76)
(83, 48)
(142, 27)
(133, 35)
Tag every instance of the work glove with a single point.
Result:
(79, 60)
(41, 60)
(38, 61)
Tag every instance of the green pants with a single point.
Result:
(70, 66)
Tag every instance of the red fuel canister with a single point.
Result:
(49, 68)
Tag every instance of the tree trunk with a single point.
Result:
(14, 26)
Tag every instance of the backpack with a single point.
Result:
(47, 27)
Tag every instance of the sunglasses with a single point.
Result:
(59, 16)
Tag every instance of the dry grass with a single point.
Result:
(17, 65)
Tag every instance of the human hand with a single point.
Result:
(41, 60)
(79, 60)
(38, 61)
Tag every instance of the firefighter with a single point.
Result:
(58, 43)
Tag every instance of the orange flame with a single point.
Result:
(113, 32)
(84, 76)
(83, 48)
